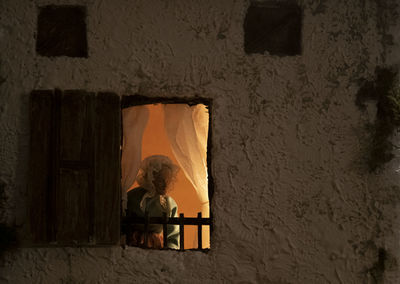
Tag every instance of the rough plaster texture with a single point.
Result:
(293, 200)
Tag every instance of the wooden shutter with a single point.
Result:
(39, 178)
(107, 171)
(75, 167)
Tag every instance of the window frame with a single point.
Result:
(138, 100)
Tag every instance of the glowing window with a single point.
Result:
(179, 131)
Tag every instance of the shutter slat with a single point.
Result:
(76, 136)
(107, 168)
(39, 183)
(73, 218)
(74, 195)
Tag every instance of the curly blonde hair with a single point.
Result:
(156, 174)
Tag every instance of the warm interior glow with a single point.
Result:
(155, 142)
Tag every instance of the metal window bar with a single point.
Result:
(146, 227)
(199, 232)
(181, 232)
(129, 221)
(165, 233)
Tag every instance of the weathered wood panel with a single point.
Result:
(74, 201)
(76, 129)
(107, 169)
(39, 183)
(75, 168)
(73, 216)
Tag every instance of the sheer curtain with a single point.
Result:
(134, 121)
(187, 131)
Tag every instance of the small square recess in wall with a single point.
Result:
(273, 27)
(61, 31)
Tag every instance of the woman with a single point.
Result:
(156, 175)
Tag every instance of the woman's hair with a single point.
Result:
(156, 174)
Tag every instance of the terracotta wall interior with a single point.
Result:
(155, 142)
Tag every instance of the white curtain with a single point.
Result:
(134, 121)
(187, 131)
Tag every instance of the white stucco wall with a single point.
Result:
(293, 201)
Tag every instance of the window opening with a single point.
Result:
(61, 31)
(178, 131)
(274, 27)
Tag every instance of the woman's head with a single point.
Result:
(157, 173)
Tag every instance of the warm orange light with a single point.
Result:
(155, 142)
